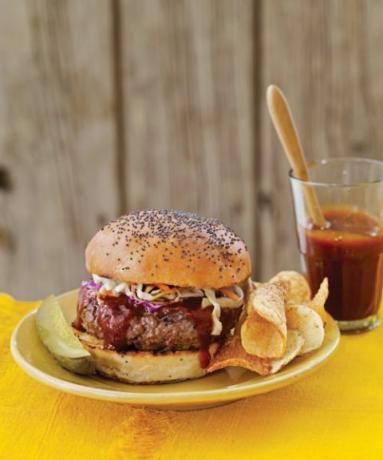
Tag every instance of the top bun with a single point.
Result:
(171, 247)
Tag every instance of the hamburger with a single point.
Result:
(167, 290)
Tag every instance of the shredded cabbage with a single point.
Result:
(153, 296)
(216, 313)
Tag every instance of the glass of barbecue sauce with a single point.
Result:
(348, 250)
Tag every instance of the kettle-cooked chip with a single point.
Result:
(233, 354)
(279, 323)
(308, 323)
(264, 330)
(294, 345)
(319, 300)
(298, 288)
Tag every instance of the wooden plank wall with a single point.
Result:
(113, 105)
(57, 139)
(188, 107)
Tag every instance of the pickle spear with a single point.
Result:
(58, 337)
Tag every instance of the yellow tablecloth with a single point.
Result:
(336, 413)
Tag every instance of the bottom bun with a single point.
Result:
(144, 367)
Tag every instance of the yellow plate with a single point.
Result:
(208, 391)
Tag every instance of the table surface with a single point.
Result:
(334, 413)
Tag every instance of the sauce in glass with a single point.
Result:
(350, 253)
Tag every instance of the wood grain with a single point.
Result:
(188, 108)
(325, 57)
(113, 105)
(57, 140)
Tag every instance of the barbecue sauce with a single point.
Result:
(203, 324)
(115, 314)
(350, 254)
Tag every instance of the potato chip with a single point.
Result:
(294, 345)
(319, 300)
(279, 323)
(298, 288)
(233, 354)
(308, 323)
(264, 330)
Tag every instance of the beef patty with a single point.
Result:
(124, 323)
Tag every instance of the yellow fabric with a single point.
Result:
(337, 413)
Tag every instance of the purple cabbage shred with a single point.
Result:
(149, 306)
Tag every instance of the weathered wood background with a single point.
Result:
(112, 105)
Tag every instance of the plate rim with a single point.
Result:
(166, 398)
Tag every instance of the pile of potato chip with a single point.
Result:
(280, 321)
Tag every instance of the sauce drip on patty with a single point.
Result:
(124, 324)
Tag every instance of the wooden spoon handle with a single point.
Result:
(284, 125)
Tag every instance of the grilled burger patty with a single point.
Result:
(123, 324)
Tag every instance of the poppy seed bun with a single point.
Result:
(171, 247)
(144, 367)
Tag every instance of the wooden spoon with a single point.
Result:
(284, 125)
